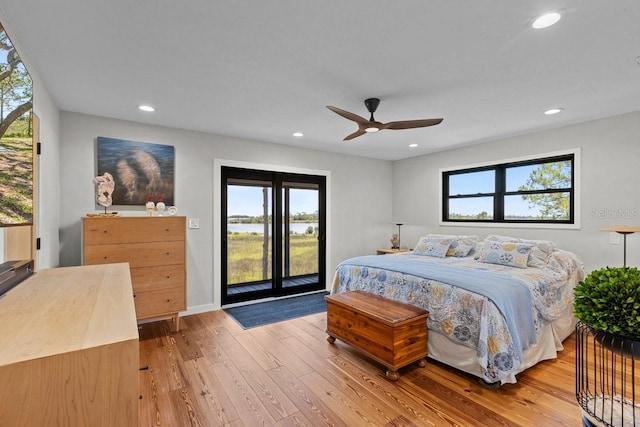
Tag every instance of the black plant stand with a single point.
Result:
(607, 389)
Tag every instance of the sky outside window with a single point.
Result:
(247, 200)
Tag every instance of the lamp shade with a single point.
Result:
(622, 229)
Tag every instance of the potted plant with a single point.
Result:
(608, 300)
(607, 304)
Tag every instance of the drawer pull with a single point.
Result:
(168, 300)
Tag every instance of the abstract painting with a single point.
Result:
(141, 170)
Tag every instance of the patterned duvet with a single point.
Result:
(468, 318)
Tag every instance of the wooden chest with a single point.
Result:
(155, 248)
(390, 332)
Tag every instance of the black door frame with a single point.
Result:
(277, 242)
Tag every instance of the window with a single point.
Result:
(533, 191)
(16, 137)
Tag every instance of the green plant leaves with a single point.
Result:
(608, 299)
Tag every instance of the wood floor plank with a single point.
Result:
(276, 350)
(242, 396)
(313, 408)
(214, 373)
(213, 403)
(414, 409)
(261, 356)
(187, 344)
(273, 398)
(336, 396)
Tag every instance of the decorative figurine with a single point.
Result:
(150, 206)
(395, 241)
(104, 189)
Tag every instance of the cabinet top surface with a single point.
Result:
(67, 309)
(383, 309)
(136, 217)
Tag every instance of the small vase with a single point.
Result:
(160, 207)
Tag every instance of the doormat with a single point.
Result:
(263, 313)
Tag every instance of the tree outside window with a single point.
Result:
(16, 133)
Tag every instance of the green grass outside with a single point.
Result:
(16, 180)
(244, 256)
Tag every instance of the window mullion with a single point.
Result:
(498, 201)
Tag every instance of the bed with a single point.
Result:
(497, 307)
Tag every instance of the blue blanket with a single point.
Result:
(512, 297)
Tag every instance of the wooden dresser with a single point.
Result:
(155, 248)
(69, 349)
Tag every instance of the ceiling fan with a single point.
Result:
(371, 125)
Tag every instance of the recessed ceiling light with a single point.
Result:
(413, 145)
(546, 20)
(147, 108)
(298, 134)
(553, 111)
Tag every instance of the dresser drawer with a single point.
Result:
(160, 277)
(99, 231)
(160, 302)
(137, 254)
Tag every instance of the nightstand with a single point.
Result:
(391, 251)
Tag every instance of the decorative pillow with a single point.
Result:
(460, 250)
(540, 252)
(461, 246)
(505, 253)
(436, 247)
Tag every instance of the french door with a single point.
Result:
(273, 240)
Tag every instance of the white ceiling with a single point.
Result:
(262, 70)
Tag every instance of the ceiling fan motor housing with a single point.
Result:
(372, 104)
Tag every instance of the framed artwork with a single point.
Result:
(141, 170)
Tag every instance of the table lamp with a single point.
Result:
(399, 224)
(624, 230)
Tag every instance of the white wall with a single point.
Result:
(49, 203)
(360, 191)
(610, 191)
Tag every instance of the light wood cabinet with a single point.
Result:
(69, 349)
(155, 248)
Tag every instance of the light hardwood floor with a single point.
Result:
(212, 372)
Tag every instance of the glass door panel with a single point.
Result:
(249, 236)
(301, 245)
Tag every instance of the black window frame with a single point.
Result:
(500, 191)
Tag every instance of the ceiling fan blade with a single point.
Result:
(356, 134)
(347, 115)
(411, 124)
